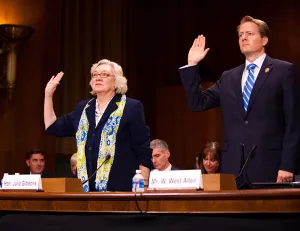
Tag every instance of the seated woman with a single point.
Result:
(111, 135)
(208, 160)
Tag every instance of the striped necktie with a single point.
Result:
(248, 85)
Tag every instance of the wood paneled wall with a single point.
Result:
(158, 37)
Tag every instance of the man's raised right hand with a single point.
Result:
(197, 51)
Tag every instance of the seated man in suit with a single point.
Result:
(161, 155)
(35, 162)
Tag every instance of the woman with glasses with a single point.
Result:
(111, 135)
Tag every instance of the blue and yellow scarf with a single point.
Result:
(107, 146)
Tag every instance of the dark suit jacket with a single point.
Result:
(174, 167)
(271, 122)
(132, 142)
(45, 174)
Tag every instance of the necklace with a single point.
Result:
(99, 112)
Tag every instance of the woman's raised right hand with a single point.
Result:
(52, 84)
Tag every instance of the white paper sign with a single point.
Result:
(176, 179)
(27, 181)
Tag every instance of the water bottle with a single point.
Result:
(138, 182)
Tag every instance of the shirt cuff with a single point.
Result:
(184, 66)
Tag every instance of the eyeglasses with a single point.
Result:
(101, 75)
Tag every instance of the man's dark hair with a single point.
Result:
(34, 151)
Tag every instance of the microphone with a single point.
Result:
(246, 163)
(108, 156)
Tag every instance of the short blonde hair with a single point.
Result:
(73, 158)
(263, 27)
(120, 80)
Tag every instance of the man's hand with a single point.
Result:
(197, 51)
(145, 173)
(284, 176)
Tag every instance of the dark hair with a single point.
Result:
(214, 148)
(34, 151)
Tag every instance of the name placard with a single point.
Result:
(176, 179)
(27, 181)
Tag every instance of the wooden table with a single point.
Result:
(247, 201)
(276, 206)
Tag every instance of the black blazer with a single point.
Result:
(45, 174)
(132, 142)
(271, 122)
(174, 167)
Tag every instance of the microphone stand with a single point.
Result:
(247, 183)
(106, 159)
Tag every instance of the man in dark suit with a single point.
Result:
(35, 161)
(260, 107)
(161, 155)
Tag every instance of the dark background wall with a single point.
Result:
(150, 40)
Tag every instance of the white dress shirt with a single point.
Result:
(168, 168)
(258, 62)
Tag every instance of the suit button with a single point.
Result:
(90, 148)
(246, 122)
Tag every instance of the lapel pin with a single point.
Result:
(267, 70)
